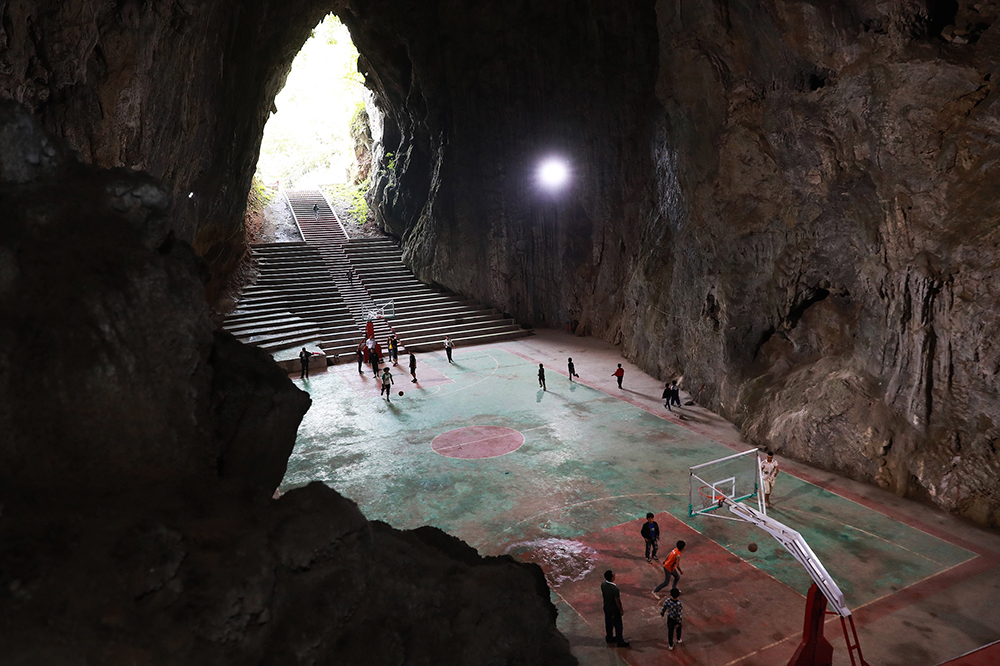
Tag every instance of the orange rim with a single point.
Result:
(708, 493)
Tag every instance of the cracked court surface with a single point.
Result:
(564, 477)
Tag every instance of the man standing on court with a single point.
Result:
(612, 610)
(572, 370)
(675, 394)
(541, 376)
(619, 373)
(413, 368)
(651, 533)
(304, 357)
(769, 474)
(448, 344)
(672, 568)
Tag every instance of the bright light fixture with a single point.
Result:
(553, 173)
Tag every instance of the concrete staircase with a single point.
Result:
(307, 295)
(293, 303)
(327, 235)
(423, 315)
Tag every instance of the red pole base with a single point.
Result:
(814, 650)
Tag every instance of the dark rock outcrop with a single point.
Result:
(793, 205)
(302, 580)
(112, 378)
(138, 456)
(175, 88)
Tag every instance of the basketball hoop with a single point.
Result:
(710, 496)
(385, 310)
(734, 478)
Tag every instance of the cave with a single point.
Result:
(801, 198)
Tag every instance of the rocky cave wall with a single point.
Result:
(140, 450)
(139, 447)
(792, 205)
(178, 89)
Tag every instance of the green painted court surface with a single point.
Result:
(589, 464)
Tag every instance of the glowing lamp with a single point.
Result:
(553, 174)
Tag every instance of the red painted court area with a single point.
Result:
(473, 442)
(732, 610)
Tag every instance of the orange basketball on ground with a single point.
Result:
(400, 393)
(752, 548)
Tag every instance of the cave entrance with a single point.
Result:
(317, 136)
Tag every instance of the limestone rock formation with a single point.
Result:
(139, 452)
(176, 88)
(301, 580)
(734, 166)
(791, 205)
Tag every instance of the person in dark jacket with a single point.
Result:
(651, 534)
(613, 611)
(304, 357)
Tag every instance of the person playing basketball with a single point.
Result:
(674, 610)
(386, 384)
(650, 532)
(672, 568)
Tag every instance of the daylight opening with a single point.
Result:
(318, 137)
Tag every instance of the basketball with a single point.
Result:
(400, 393)
(752, 548)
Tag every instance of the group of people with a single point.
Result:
(671, 393)
(671, 396)
(369, 351)
(569, 367)
(672, 607)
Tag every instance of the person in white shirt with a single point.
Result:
(448, 345)
(768, 474)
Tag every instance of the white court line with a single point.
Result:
(475, 441)
(858, 529)
(462, 388)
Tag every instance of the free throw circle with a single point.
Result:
(477, 442)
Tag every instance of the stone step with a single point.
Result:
(445, 328)
(278, 283)
(462, 319)
(300, 300)
(279, 341)
(407, 303)
(273, 325)
(269, 249)
(388, 289)
(390, 277)
(469, 339)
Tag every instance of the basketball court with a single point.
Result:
(564, 478)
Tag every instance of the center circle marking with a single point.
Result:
(473, 442)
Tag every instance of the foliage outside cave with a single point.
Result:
(319, 137)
